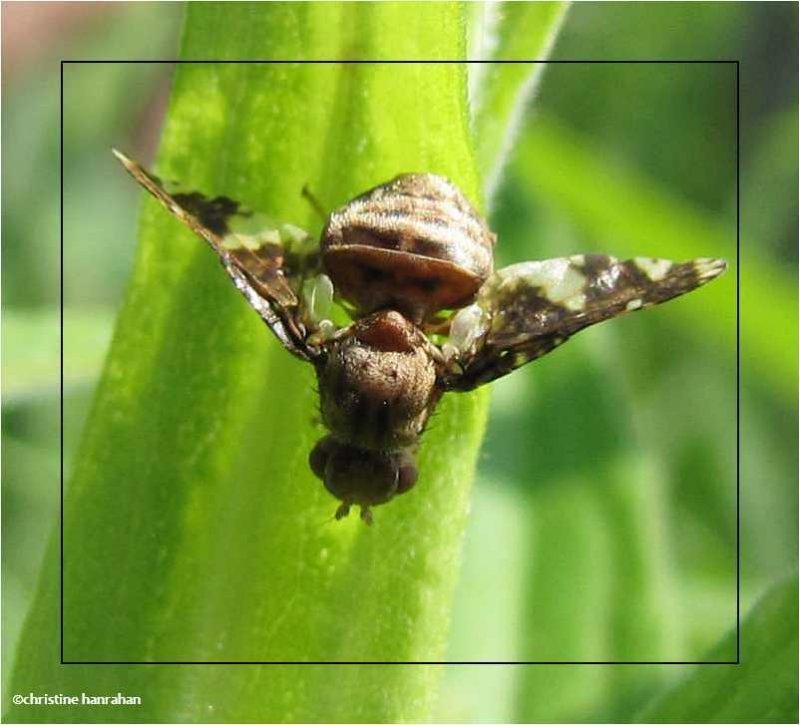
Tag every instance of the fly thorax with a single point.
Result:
(378, 385)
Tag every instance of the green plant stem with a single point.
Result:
(193, 529)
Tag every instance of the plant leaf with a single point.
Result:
(641, 219)
(194, 530)
(500, 93)
(31, 344)
(762, 688)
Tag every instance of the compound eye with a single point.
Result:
(407, 474)
(318, 458)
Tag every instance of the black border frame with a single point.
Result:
(734, 62)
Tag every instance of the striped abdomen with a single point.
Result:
(414, 244)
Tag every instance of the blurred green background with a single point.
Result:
(603, 517)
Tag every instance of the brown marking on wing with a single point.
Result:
(532, 313)
(210, 219)
(521, 310)
(256, 271)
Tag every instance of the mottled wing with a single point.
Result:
(267, 262)
(524, 311)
